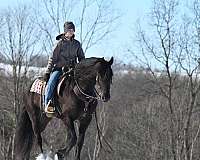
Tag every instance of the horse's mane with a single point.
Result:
(87, 62)
(85, 68)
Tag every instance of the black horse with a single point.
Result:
(78, 101)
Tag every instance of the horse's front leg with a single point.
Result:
(84, 123)
(71, 138)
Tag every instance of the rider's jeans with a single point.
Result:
(52, 83)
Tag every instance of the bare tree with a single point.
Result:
(20, 38)
(93, 28)
(188, 61)
(18, 44)
(175, 50)
(50, 22)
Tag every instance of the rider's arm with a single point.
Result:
(53, 59)
(80, 53)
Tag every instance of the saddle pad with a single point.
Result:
(38, 86)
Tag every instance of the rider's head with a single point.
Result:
(69, 29)
(69, 26)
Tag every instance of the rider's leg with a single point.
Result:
(51, 85)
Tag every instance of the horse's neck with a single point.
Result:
(87, 84)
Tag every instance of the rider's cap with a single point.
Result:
(69, 25)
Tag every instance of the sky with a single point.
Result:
(131, 10)
(121, 37)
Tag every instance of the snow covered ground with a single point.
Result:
(7, 70)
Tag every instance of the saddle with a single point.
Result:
(39, 86)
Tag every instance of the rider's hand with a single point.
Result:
(46, 76)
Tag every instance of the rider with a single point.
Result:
(66, 53)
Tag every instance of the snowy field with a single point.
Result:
(34, 72)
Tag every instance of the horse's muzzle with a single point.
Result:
(105, 98)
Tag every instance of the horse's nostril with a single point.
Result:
(105, 98)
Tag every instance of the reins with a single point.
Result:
(87, 96)
(100, 135)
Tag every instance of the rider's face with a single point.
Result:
(69, 33)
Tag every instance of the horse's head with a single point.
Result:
(104, 77)
(91, 71)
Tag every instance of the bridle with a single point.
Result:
(87, 96)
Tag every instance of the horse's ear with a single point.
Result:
(111, 61)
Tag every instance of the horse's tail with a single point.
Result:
(24, 136)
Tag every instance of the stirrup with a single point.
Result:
(49, 108)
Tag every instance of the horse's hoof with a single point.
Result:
(60, 156)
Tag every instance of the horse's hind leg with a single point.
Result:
(71, 138)
(39, 122)
(24, 137)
